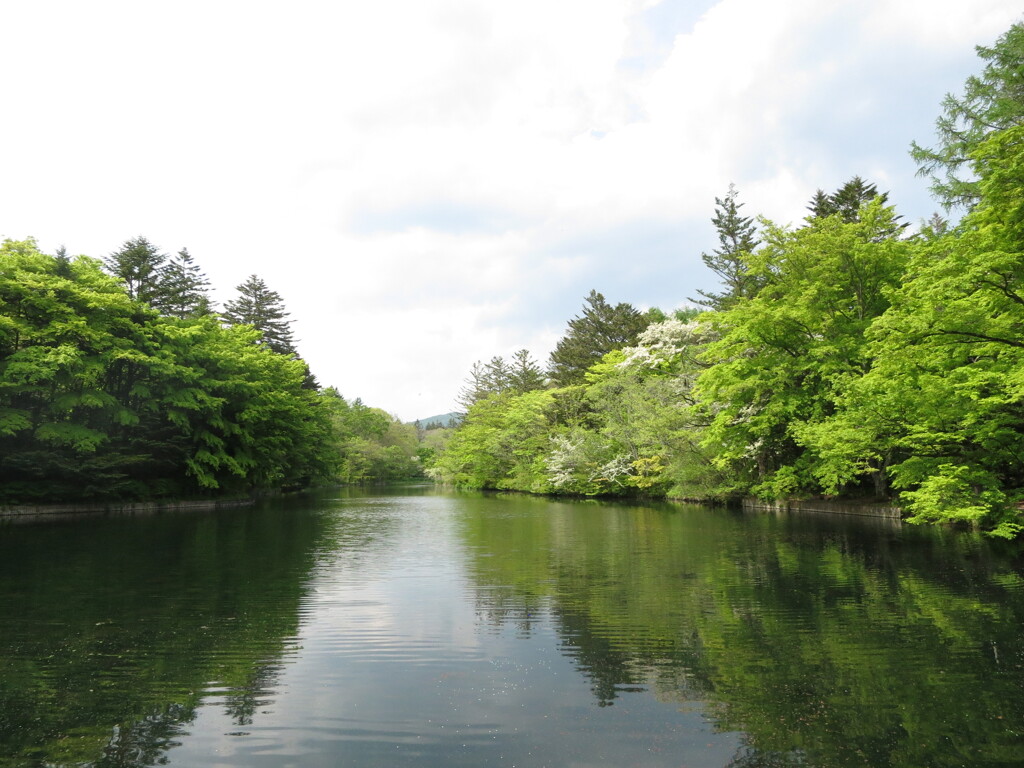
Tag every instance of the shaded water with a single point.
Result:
(424, 629)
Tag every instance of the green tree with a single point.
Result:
(991, 102)
(101, 397)
(525, 374)
(497, 376)
(846, 201)
(737, 238)
(787, 356)
(502, 443)
(62, 267)
(184, 288)
(476, 386)
(943, 404)
(263, 309)
(139, 264)
(600, 329)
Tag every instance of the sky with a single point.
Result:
(428, 183)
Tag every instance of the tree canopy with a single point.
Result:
(263, 309)
(991, 102)
(841, 358)
(599, 329)
(106, 394)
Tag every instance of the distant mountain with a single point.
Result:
(444, 419)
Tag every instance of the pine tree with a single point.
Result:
(139, 264)
(474, 388)
(62, 264)
(737, 237)
(263, 309)
(184, 288)
(590, 336)
(846, 203)
(498, 376)
(525, 374)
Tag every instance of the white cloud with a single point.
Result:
(428, 183)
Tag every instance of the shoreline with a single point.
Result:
(56, 511)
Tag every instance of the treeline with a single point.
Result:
(842, 357)
(119, 381)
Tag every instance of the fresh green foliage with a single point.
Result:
(102, 397)
(841, 358)
(374, 446)
(992, 103)
(631, 428)
(787, 356)
(501, 444)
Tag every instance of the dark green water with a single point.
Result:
(423, 629)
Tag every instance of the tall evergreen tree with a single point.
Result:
(62, 263)
(600, 329)
(474, 388)
(737, 237)
(485, 379)
(263, 309)
(991, 102)
(184, 288)
(525, 374)
(498, 376)
(847, 201)
(139, 264)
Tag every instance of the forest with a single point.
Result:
(845, 357)
(850, 356)
(119, 382)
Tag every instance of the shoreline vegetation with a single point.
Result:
(848, 357)
(119, 383)
(844, 358)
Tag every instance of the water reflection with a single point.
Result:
(113, 629)
(423, 629)
(831, 642)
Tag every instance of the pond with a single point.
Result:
(420, 628)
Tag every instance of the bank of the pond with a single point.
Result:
(51, 511)
(827, 506)
(857, 507)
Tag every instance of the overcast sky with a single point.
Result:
(432, 182)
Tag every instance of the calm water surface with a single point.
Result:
(416, 628)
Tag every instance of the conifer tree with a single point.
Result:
(62, 264)
(184, 288)
(263, 309)
(600, 329)
(991, 102)
(737, 237)
(474, 388)
(847, 201)
(497, 376)
(525, 374)
(139, 264)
